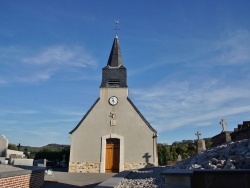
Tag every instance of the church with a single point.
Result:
(113, 135)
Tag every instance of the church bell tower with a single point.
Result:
(114, 74)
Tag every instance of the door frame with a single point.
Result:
(103, 151)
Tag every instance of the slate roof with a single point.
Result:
(115, 57)
(114, 71)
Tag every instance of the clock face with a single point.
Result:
(113, 100)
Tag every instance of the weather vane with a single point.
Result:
(116, 24)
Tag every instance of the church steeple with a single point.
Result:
(115, 57)
(114, 75)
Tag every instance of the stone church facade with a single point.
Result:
(113, 135)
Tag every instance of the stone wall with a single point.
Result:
(193, 178)
(131, 166)
(241, 134)
(35, 180)
(221, 138)
(25, 177)
(94, 167)
(85, 167)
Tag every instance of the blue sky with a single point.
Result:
(188, 64)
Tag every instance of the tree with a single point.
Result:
(208, 142)
(12, 146)
(162, 154)
(185, 148)
(52, 155)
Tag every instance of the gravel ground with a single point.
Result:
(144, 178)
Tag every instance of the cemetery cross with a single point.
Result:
(223, 124)
(198, 135)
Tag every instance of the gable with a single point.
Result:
(142, 117)
(85, 116)
(131, 103)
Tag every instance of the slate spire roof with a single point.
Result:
(115, 57)
(114, 74)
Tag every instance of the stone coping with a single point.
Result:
(188, 172)
(177, 172)
(10, 170)
(222, 171)
(114, 181)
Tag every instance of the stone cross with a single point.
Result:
(18, 146)
(116, 23)
(198, 135)
(223, 124)
(25, 151)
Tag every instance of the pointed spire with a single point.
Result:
(114, 74)
(115, 57)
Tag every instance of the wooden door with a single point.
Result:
(112, 156)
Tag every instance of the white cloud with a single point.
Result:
(42, 133)
(26, 65)
(180, 104)
(198, 96)
(234, 49)
(61, 56)
(6, 112)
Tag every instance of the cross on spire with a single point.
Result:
(116, 28)
(223, 124)
(198, 135)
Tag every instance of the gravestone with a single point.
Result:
(201, 146)
(12, 157)
(223, 137)
(23, 162)
(2, 160)
(179, 159)
(3, 146)
(63, 163)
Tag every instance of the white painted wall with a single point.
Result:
(138, 137)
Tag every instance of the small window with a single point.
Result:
(113, 83)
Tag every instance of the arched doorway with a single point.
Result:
(103, 151)
(112, 155)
